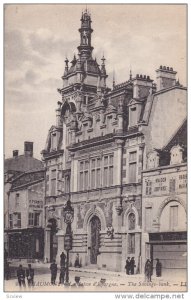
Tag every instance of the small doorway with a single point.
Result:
(95, 227)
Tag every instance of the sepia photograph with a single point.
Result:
(95, 148)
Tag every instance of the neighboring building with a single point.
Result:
(95, 156)
(24, 204)
(164, 202)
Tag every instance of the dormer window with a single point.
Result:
(53, 141)
(176, 155)
(152, 160)
(133, 116)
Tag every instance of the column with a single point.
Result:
(118, 162)
(140, 161)
(47, 245)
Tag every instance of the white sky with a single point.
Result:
(38, 38)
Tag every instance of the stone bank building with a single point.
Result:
(95, 153)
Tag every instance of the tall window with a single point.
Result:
(31, 219)
(173, 216)
(172, 185)
(10, 220)
(131, 239)
(108, 170)
(18, 220)
(132, 166)
(95, 172)
(131, 221)
(84, 174)
(148, 187)
(53, 183)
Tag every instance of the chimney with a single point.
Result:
(28, 149)
(15, 153)
(141, 86)
(166, 77)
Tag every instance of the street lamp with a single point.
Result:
(68, 214)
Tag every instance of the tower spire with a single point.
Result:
(85, 48)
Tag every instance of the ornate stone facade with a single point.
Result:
(95, 155)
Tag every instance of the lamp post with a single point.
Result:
(68, 213)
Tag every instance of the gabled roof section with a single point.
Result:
(178, 138)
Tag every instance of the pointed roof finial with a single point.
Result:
(113, 78)
(103, 59)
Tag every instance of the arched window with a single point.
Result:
(131, 221)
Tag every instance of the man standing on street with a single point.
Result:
(30, 276)
(53, 269)
(21, 276)
(128, 265)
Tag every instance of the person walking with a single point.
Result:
(30, 276)
(148, 270)
(158, 268)
(53, 269)
(132, 265)
(128, 266)
(21, 276)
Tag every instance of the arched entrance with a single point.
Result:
(53, 239)
(95, 227)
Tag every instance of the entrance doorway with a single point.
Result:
(95, 227)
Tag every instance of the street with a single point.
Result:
(97, 280)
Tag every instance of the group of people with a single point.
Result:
(22, 275)
(54, 269)
(130, 265)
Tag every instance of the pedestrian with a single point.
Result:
(30, 276)
(132, 265)
(158, 268)
(77, 261)
(53, 269)
(62, 274)
(62, 259)
(128, 266)
(21, 276)
(148, 270)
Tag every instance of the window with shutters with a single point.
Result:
(172, 185)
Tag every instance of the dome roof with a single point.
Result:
(88, 66)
